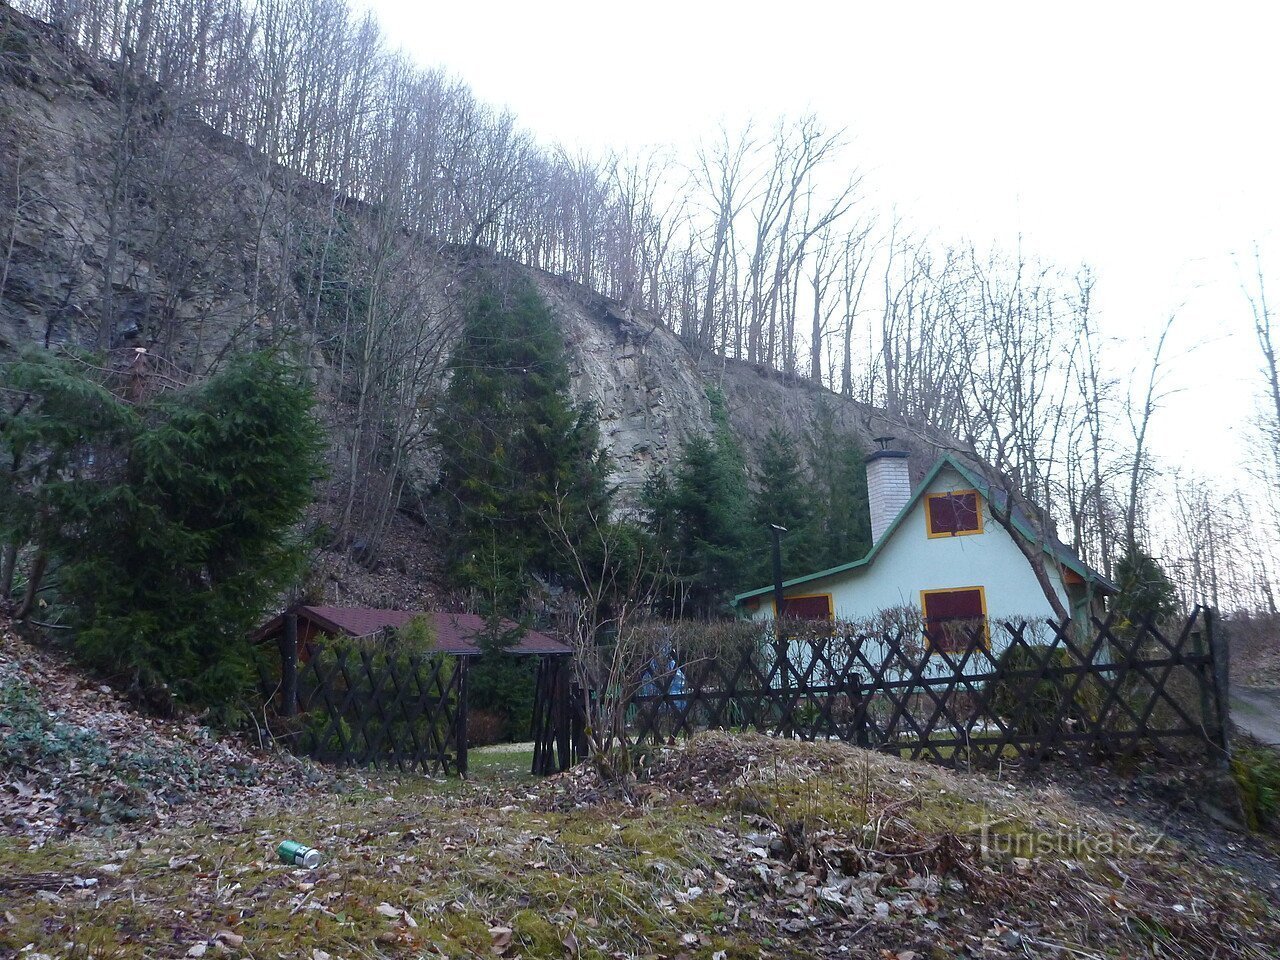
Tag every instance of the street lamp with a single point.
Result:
(779, 636)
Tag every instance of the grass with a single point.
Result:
(500, 764)
(407, 872)
(416, 867)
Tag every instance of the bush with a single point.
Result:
(485, 727)
(1030, 704)
(1257, 773)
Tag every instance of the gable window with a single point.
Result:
(953, 619)
(957, 513)
(816, 607)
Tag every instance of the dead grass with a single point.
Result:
(732, 846)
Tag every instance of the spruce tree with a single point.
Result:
(514, 447)
(1146, 592)
(783, 497)
(837, 464)
(700, 518)
(169, 521)
(516, 455)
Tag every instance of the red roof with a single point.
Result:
(455, 632)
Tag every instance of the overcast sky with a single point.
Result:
(1137, 137)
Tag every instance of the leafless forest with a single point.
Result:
(764, 246)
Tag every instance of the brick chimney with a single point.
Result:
(888, 486)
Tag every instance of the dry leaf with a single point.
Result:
(501, 938)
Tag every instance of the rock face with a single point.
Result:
(186, 243)
(651, 390)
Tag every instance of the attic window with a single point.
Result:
(954, 619)
(956, 513)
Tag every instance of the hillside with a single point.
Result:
(75, 757)
(206, 243)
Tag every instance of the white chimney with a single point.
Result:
(888, 486)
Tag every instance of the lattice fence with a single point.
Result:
(361, 708)
(1007, 692)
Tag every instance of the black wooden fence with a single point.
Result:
(558, 717)
(362, 707)
(1013, 691)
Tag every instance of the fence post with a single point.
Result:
(579, 699)
(460, 724)
(289, 666)
(1219, 652)
(563, 713)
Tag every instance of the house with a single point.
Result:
(938, 549)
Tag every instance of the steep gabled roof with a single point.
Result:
(1054, 547)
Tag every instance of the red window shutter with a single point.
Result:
(953, 513)
(950, 616)
(807, 608)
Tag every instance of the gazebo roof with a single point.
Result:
(456, 633)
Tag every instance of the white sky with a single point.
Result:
(1137, 137)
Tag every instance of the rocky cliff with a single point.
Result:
(117, 208)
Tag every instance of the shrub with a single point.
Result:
(1257, 773)
(1032, 704)
(485, 727)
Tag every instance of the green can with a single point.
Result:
(299, 854)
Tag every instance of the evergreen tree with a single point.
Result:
(783, 497)
(516, 454)
(169, 520)
(701, 520)
(514, 447)
(838, 467)
(1145, 590)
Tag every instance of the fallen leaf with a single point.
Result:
(501, 938)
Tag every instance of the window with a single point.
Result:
(816, 607)
(953, 619)
(956, 513)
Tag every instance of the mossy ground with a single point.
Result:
(506, 862)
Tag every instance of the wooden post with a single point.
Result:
(289, 666)
(460, 726)
(579, 699)
(561, 705)
(1219, 651)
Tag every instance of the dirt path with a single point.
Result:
(1256, 710)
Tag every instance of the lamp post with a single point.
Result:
(779, 629)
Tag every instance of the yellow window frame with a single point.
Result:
(982, 600)
(928, 514)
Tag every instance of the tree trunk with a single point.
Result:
(33, 585)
